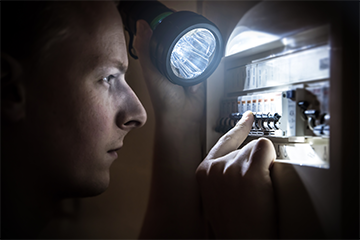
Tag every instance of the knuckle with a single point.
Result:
(216, 169)
(264, 144)
(233, 171)
(201, 170)
(227, 137)
(230, 168)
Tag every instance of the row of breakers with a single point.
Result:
(264, 124)
(303, 111)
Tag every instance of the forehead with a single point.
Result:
(95, 36)
(100, 32)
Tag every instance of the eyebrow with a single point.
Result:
(100, 66)
(121, 66)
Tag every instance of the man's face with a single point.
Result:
(79, 107)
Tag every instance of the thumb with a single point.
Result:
(262, 155)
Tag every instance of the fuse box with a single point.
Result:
(285, 83)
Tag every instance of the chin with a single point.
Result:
(93, 191)
(96, 188)
(93, 186)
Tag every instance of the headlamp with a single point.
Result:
(185, 46)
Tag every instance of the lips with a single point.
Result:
(113, 152)
(116, 149)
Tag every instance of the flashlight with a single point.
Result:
(185, 47)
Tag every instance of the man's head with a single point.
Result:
(65, 101)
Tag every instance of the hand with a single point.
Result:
(170, 101)
(174, 208)
(235, 185)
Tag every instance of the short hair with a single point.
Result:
(29, 28)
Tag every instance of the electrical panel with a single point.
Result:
(285, 83)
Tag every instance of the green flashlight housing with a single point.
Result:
(168, 27)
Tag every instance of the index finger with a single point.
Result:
(233, 138)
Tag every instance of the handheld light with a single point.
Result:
(185, 46)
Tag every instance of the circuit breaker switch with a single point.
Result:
(277, 125)
(266, 125)
(257, 121)
(263, 120)
(272, 126)
(274, 119)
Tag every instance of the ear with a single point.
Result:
(12, 89)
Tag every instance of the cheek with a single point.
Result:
(73, 135)
(72, 121)
(96, 118)
(93, 117)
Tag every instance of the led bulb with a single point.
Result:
(193, 53)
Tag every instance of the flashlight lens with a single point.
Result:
(193, 53)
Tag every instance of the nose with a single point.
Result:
(132, 114)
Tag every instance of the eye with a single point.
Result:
(108, 78)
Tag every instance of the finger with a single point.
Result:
(232, 157)
(256, 156)
(233, 139)
(262, 155)
(141, 44)
(240, 163)
(209, 163)
(142, 39)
